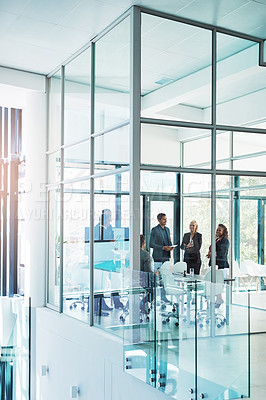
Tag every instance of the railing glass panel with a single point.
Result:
(15, 348)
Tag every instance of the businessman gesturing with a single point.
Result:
(160, 242)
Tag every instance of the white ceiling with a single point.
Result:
(38, 35)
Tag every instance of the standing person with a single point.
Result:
(146, 274)
(160, 241)
(161, 244)
(191, 243)
(104, 231)
(222, 247)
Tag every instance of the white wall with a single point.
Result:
(87, 357)
(27, 92)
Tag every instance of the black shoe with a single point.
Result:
(105, 307)
(103, 314)
(119, 305)
(165, 300)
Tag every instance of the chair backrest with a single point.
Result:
(218, 286)
(249, 267)
(237, 273)
(166, 265)
(166, 273)
(179, 266)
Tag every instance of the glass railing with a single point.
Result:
(185, 337)
(15, 348)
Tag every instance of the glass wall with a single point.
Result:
(54, 246)
(175, 70)
(111, 246)
(76, 270)
(202, 163)
(112, 77)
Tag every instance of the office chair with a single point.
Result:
(179, 266)
(171, 290)
(203, 316)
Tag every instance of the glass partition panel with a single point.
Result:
(54, 137)
(138, 322)
(160, 145)
(160, 195)
(197, 150)
(250, 150)
(77, 161)
(112, 77)
(175, 335)
(175, 70)
(240, 81)
(54, 167)
(111, 250)
(224, 148)
(15, 348)
(112, 148)
(223, 330)
(158, 182)
(77, 98)
(76, 251)
(241, 150)
(53, 246)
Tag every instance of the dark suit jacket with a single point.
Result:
(197, 240)
(145, 261)
(222, 247)
(192, 255)
(146, 274)
(157, 242)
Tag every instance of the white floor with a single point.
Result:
(257, 366)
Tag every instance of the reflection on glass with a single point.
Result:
(112, 77)
(111, 249)
(240, 81)
(77, 98)
(76, 251)
(54, 246)
(175, 69)
(54, 137)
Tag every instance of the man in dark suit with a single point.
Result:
(160, 241)
(161, 244)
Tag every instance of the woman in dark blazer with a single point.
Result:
(191, 243)
(221, 247)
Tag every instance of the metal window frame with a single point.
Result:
(135, 122)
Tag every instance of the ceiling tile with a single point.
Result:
(66, 39)
(29, 30)
(6, 19)
(49, 10)
(13, 6)
(210, 11)
(246, 18)
(30, 58)
(92, 16)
